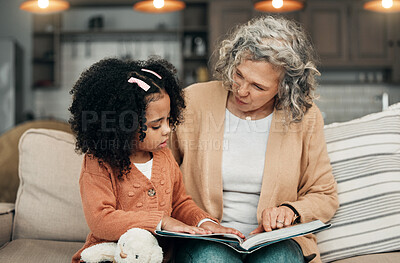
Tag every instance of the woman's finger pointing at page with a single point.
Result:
(266, 220)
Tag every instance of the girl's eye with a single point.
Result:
(156, 127)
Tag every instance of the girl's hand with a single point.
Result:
(274, 218)
(217, 228)
(170, 224)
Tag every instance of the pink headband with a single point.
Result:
(152, 72)
(140, 82)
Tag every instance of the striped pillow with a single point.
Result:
(365, 157)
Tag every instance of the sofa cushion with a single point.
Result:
(9, 154)
(44, 251)
(48, 204)
(365, 157)
(6, 219)
(393, 257)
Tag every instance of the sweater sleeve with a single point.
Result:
(100, 208)
(317, 195)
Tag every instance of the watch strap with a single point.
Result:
(296, 218)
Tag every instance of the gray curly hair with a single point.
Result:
(284, 44)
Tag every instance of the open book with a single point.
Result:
(254, 242)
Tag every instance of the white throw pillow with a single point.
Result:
(48, 204)
(365, 157)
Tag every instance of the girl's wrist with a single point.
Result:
(206, 220)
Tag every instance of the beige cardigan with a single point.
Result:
(297, 168)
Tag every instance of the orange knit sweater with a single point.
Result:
(112, 206)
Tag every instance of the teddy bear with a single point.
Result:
(135, 245)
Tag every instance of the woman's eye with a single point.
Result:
(239, 75)
(156, 127)
(258, 87)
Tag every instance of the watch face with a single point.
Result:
(296, 219)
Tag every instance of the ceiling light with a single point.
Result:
(385, 6)
(279, 6)
(159, 6)
(44, 6)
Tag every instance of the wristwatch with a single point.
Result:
(296, 218)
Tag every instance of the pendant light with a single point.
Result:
(385, 6)
(159, 6)
(279, 6)
(44, 6)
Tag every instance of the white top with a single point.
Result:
(145, 168)
(243, 158)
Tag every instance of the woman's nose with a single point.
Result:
(242, 90)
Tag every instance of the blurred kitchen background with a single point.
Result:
(42, 55)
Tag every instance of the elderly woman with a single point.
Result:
(252, 148)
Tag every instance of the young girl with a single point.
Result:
(122, 113)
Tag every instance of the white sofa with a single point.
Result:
(47, 223)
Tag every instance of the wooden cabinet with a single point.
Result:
(347, 36)
(371, 36)
(344, 34)
(224, 15)
(327, 22)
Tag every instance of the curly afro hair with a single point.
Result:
(108, 112)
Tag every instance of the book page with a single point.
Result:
(278, 234)
(219, 236)
(256, 241)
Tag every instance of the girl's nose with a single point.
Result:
(166, 129)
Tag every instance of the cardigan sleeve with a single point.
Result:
(317, 194)
(100, 208)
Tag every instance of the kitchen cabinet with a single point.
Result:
(344, 34)
(327, 22)
(224, 15)
(371, 36)
(347, 36)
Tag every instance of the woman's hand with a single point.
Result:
(274, 218)
(170, 224)
(217, 228)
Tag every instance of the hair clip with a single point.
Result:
(152, 72)
(140, 82)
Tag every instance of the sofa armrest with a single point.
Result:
(6, 222)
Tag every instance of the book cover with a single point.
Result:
(254, 242)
